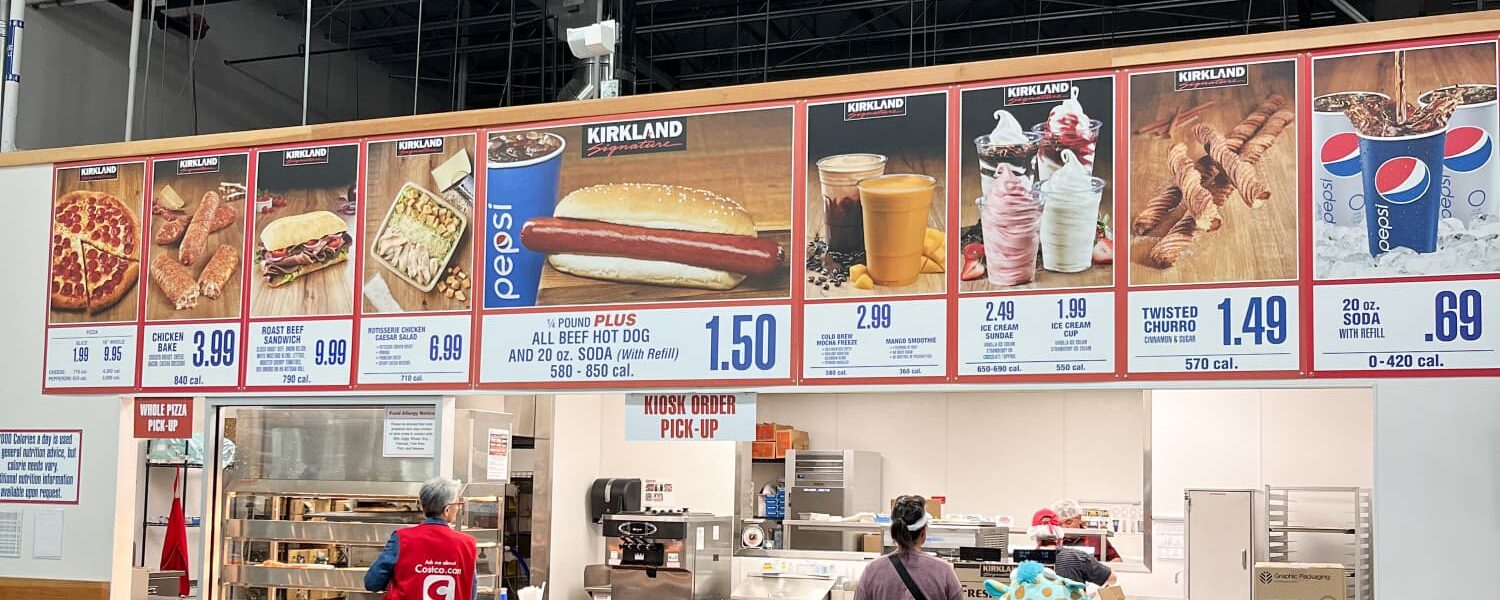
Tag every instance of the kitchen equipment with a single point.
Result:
(757, 586)
(1226, 536)
(613, 496)
(833, 482)
(668, 556)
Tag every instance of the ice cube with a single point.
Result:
(1482, 219)
(1455, 238)
(1450, 225)
(1486, 231)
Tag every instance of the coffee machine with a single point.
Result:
(675, 555)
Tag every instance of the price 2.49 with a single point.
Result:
(330, 353)
(214, 348)
(752, 343)
(1264, 321)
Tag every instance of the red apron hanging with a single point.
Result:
(174, 549)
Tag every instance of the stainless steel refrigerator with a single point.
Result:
(832, 482)
(1226, 536)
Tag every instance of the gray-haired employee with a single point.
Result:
(429, 560)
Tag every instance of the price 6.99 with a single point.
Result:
(751, 341)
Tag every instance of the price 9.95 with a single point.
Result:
(752, 343)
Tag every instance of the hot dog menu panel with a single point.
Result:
(650, 249)
(1311, 215)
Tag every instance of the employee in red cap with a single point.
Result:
(1046, 529)
(429, 561)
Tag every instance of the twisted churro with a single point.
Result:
(1245, 177)
(1199, 202)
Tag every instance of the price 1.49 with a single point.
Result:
(445, 347)
(330, 352)
(214, 348)
(1264, 321)
(752, 343)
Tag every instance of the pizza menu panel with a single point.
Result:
(1305, 215)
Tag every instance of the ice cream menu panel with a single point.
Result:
(94, 270)
(418, 279)
(653, 248)
(302, 282)
(875, 238)
(1036, 242)
(1213, 219)
(1406, 239)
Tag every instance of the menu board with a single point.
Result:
(418, 265)
(93, 272)
(1406, 236)
(302, 286)
(1036, 244)
(1326, 214)
(875, 238)
(195, 262)
(652, 248)
(1213, 219)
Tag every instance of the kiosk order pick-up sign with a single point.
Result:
(690, 417)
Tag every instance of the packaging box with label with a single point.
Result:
(971, 576)
(1299, 581)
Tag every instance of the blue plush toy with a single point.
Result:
(1032, 581)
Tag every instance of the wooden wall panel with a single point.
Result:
(53, 589)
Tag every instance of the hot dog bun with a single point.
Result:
(655, 272)
(297, 229)
(658, 206)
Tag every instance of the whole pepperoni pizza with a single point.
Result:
(95, 254)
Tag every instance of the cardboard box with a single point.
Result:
(762, 449)
(1299, 581)
(766, 432)
(934, 507)
(1113, 592)
(872, 542)
(971, 576)
(790, 439)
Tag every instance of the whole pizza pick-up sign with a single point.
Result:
(163, 418)
(690, 417)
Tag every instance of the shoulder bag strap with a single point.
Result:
(911, 586)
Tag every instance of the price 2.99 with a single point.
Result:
(751, 343)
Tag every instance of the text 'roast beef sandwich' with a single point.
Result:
(650, 233)
(291, 247)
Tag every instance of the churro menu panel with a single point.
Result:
(1037, 228)
(1213, 219)
(1405, 227)
(94, 271)
(876, 237)
(593, 231)
(418, 284)
(195, 269)
(306, 208)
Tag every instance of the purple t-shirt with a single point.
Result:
(935, 577)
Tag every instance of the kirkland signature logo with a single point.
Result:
(874, 109)
(304, 156)
(635, 137)
(1214, 77)
(1035, 93)
(420, 146)
(193, 166)
(98, 173)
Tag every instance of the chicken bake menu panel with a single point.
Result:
(652, 248)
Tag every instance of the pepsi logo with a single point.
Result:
(1467, 149)
(1402, 180)
(1340, 154)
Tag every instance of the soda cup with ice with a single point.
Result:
(1338, 190)
(1469, 175)
(1402, 181)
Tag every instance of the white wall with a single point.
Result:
(1437, 494)
(90, 550)
(75, 77)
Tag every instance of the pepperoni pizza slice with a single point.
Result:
(95, 261)
(112, 227)
(68, 291)
(108, 277)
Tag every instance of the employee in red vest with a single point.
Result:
(429, 561)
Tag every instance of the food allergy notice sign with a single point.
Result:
(690, 417)
(40, 466)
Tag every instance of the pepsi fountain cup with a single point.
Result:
(524, 167)
(1338, 191)
(1469, 173)
(1402, 190)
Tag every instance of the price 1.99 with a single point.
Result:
(1262, 322)
(111, 352)
(330, 352)
(751, 342)
(1457, 316)
(445, 347)
(214, 348)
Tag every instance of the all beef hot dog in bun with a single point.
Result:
(651, 233)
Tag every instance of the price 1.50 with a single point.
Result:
(752, 343)
(330, 353)
(1457, 316)
(1264, 321)
(214, 348)
(445, 347)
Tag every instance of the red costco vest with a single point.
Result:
(433, 562)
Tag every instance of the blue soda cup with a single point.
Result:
(522, 181)
(1403, 190)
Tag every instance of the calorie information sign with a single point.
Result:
(91, 357)
(198, 355)
(1037, 334)
(431, 349)
(1214, 330)
(299, 353)
(875, 339)
(1405, 326)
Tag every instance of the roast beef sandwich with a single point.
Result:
(293, 246)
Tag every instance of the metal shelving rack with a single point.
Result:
(1281, 502)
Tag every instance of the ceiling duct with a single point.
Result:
(591, 39)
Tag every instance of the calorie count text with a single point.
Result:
(1263, 322)
(1458, 316)
(1071, 321)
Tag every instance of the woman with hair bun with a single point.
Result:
(908, 573)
